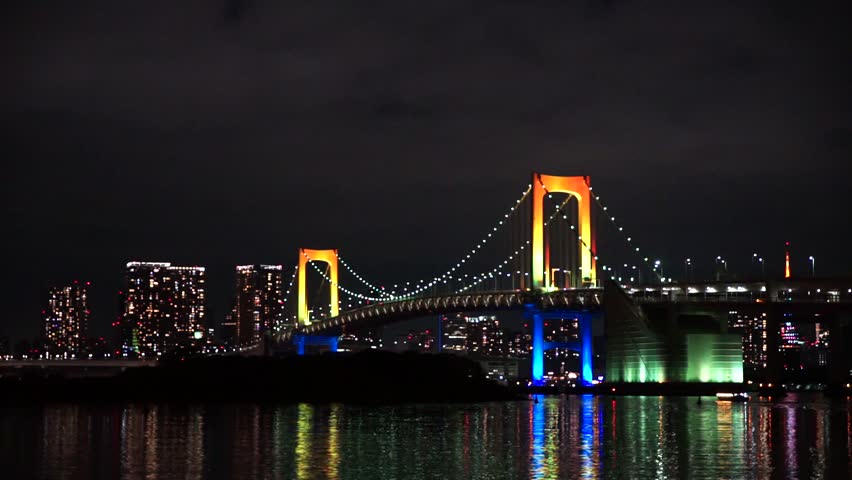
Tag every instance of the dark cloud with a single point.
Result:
(228, 132)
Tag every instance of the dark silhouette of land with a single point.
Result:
(368, 377)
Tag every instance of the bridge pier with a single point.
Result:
(538, 349)
(301, 341)
(585, 325)
(539, 346)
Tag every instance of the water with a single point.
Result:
(559, 437)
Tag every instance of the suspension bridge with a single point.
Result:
(547, 269)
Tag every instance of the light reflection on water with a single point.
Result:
(558, 437)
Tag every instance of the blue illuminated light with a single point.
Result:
(538, 350)
(586, 349)
(301, 340)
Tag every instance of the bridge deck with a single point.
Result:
(387, 312)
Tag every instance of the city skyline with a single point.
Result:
(450, 239)
(104, 321)
(748, 124)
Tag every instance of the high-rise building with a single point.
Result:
(454, 333)
(519, 344)
(258, 303)
(752, 326)
(484, 336)
(790, 336)
(66, 321)
(164, 306)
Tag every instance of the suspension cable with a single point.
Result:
(423, 284)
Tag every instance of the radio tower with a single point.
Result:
(787, 261)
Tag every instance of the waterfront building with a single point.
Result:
(65, 321)
(258, 303)
(484, 336)
(454, 333)
(518, 344)
(752, 327)
(790, 337)
(163, 306)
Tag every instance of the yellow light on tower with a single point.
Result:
(578, 186)
(787, 261)
(328, 256)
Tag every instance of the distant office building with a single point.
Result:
(163, 306)
(454, 333)
(790, 336)
(66, 321)
(485, 336)
(518, 344)
(482, 335)
(258, 303)
(752, 326)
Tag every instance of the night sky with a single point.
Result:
(214, 133)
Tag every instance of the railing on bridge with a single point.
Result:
(740, 292)
(575, 299)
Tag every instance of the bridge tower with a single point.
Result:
(579, 187)
(329, 257)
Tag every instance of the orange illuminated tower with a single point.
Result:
(577, 186)
(787, 261)
(327, 256)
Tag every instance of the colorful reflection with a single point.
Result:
(558, 437)
(303, 440)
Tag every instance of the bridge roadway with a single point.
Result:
(794, 294)
(579, 300)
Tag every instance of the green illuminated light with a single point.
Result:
(714, 358)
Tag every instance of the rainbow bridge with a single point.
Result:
(546, 267)
(583, 304)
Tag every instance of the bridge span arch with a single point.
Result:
(383, 313)
(580, 303)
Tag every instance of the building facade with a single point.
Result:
(163, 307)
(752, 327)
(66, 321)
(485, 336)
(258, 303)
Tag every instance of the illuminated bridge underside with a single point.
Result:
(580, 300)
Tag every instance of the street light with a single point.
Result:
(762, 267)
(686, 264)
(813, 266)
